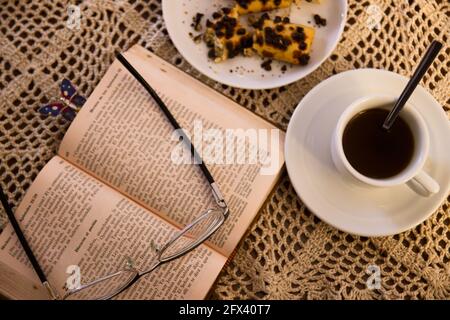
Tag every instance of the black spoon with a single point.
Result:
(423, 66)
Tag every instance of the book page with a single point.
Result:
(122, 137)
(70, 218)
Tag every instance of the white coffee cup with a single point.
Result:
(413, 173)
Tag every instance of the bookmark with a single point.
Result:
(68, 105)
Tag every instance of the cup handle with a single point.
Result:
(426, 182)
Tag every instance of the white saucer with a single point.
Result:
(247, 72)
(357, 209)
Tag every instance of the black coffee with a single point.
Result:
(374, 151)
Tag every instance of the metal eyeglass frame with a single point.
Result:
(135, 274)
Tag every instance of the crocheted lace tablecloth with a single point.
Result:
(288, 253)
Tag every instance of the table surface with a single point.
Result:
(288, 253)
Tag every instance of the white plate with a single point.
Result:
(334, 199)
(247, 72)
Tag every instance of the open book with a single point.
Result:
(114, 188)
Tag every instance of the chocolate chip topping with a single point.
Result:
(302, 58)
(260, 22)
(196, 21)
(245, 3)
(241, 31)
(225, 27)
(275, 40)
(267, 65)
(320, 21)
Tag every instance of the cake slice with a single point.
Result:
(281, 40)
(253, 6)
(226, 37)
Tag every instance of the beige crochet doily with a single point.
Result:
(288, 252)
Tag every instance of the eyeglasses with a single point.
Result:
(184, 241)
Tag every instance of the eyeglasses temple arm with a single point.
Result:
(26, 247)
(198, 160)
(219, 198)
